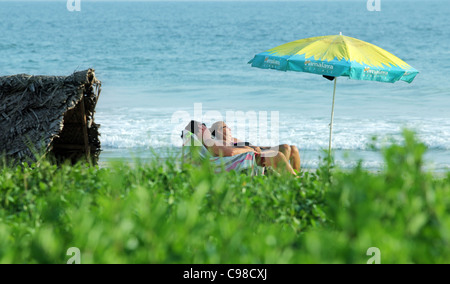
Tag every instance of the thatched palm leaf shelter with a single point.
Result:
(49, 114)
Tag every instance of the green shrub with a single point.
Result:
(160, 212)
(403, 211)
(153, 213)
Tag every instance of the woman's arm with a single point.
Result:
(217, 149)
(228, 151)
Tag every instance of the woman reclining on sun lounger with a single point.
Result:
(222, 132)
(273, 159)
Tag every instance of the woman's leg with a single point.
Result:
(286, 150)
(295, 158)
(278, 161)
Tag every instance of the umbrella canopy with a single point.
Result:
(334, 56)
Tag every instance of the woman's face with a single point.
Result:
(205, 132)
(223, 131)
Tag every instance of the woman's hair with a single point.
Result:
(214, 127)
(192, 127)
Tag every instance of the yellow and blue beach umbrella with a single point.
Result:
(335, 56)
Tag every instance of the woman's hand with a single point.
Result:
(260, 160)
(269, 153)
(257, 149)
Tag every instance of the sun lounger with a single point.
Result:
(245, 162)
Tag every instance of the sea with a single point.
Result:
(164, 63)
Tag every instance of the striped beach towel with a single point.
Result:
(245, 162)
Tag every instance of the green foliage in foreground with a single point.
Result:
(161, 213)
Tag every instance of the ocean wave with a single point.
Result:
(144, 129)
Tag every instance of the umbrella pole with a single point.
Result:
(332, 115)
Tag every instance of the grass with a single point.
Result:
(161, 212)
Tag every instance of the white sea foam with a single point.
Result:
(136, 132)
(144, 129)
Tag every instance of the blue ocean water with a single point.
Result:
(157, 59)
